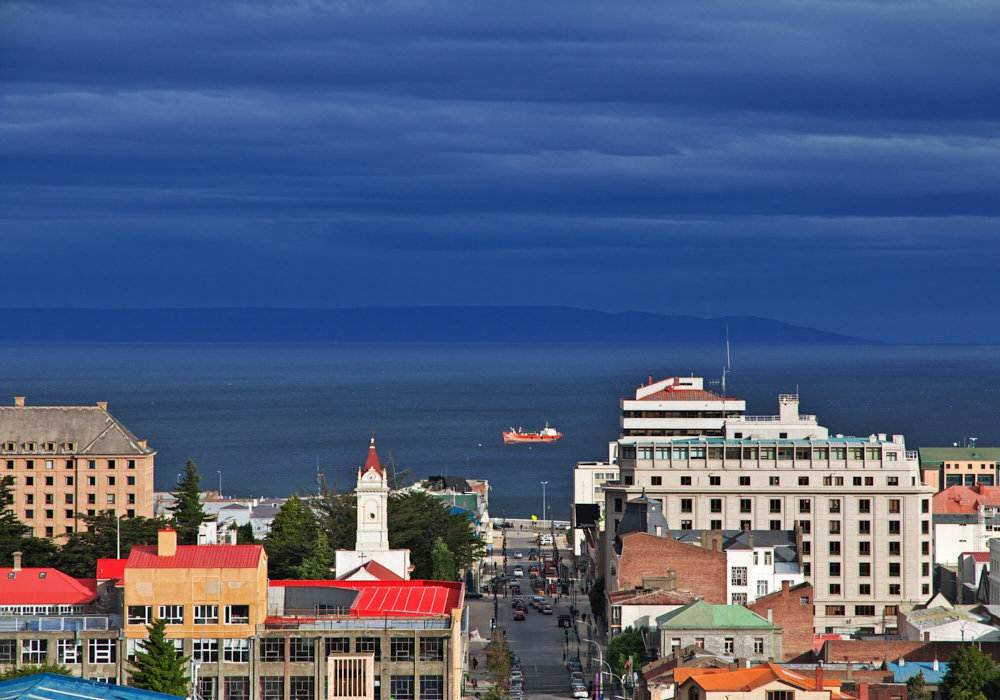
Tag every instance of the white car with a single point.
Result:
(518, 572)
(580, 691)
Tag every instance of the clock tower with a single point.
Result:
(373, 500)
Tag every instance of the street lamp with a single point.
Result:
(600, 671)
(543, 501)
(220, 483)
(118, 532)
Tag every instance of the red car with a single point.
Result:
(518, 615)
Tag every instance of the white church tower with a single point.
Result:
(371, 558)
(373, 501)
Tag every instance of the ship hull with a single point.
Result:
(516, 438)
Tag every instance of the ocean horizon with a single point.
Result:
(268, 416)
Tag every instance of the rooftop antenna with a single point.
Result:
(729, 365)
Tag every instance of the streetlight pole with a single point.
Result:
(600, 670)
(220, 483)
(118, 535)
(543, 502)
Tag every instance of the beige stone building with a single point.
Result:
(61, 461)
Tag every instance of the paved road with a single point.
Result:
(538, 640)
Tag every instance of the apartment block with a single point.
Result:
(61, 461)
(861, 513)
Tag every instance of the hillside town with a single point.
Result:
(711, 552)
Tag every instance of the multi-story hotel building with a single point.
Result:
(862, 514)
(61, 461)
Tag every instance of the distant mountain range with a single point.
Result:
(397, 324)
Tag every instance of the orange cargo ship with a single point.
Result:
(546, 435)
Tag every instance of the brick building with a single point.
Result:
(791, 608)
(61, 461)
(645, 557)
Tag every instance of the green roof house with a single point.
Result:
(725, 630)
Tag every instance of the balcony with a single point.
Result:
(60, 624)
(811, 419)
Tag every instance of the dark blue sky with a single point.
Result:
(832, 164)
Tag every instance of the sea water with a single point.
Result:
(265, 418)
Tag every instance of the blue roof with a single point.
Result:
(51, 686)
(900, 674)
(458, 510)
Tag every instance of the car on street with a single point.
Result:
(470, 594)
(580, 691)
(576, 678)
(547, 609)
(518, 572)
(518, 614)
(518, 555)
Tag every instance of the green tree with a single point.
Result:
(416, 521)
(596, 596)
(628, 643)
(98, 539)
(498, 663)
(970, 673)
(187, 511)
(244, 534)
(443, 562)
(296, 547)
(14, 535)
(915, 687)
(158, 666)
(24, 671)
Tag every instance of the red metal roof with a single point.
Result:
(372, 461)
(671, 394)
(395, 598)
(111, 568)
(979, 557)
(375, 569)
(29, 587)
(209, 556)
(966, 499)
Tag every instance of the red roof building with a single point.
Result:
(966, 499)
(383, 599)
(211, 556)
(111, 569)
(44, 586)
(372, 461)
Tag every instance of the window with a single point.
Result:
(69, 498)
(618, 505)
(834, 589)
(272, 649)
(744, 481)
(894, 527)
(34, 651)
(806, 547)
(925, 569)
(749, 453)
(236, 651)
(803, 481)
(49, 513)
(369, 645)
(206, 614)
(761, 588)
(693, 693)
(130, 480)
(864, 505)
(744, 525)
(401, 687)
(745, 505)
(803, 453)
(835, 548)
(697, 453)
(894, 569)
(686, 525)
(628, 480)
(836, 610)
(206, 687)
(739, 598)
(205, 650)
(645, 452)
(715, 505)
(401, 649)
(865, 569)
(767, 453)
(28, 498)
(774, 480)
(728, 645)
(628, 452)
(925, 548)
(925, 527)
(715, 481)
(834, 527)
(685, 481)
(130, 498)
(804, 600)
(140, 614)
(864, 527)
(173, 614)
(656, 480)
(864, 610)
(775, 525)
(834, 568)
(894, 549)
(805, 526)
(784, 452)
(892, 481)
(338, 645)
(834, 505)
(864, 548)
(111, 499)
(864, 589)
(776, 694)
(732, 453)
(301, 650)
(890, 609)
(758, 648)
(431, 687)
(925, 506)
(111, 481)
(807, 569)
(102, 651)
(432, 649)
(29, 514)
(301, 688)
(894, 589)
(236, 688)
(805, 505)
(739, 576)
(715, 524)
(686, 505)
(272, 688)
(70, 652)
(112, 464)
(237, 614)
(775, 505)
(894, 505)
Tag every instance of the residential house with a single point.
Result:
(933, 672)
(727, 630)
(767, 681)
(965, 518)
(941, 621)
(640, 608)
(656, 678)
(791, 609)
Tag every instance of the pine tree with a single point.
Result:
(443, 562)
(14, 535)
(158, 667)
(188, 511)
(970, 672)
(915, 687)
(296, 547)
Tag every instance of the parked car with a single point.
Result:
(518, 614)
(580, 691)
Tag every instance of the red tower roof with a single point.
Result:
(372, 461)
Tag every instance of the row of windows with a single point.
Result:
(865, 569)
(70, 463)
(69, 651)
(865, 548)
(866, 589)
(51, 480)
(859, 610)
(716, 480)
(763, 452)
(728, 646)
(203, 614)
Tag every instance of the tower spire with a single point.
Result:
(372, 461)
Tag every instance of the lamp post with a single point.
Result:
(118, 535)
(600, 671)
(543, 502)
(220, 483)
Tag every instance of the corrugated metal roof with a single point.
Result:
(408, 598)
(901, 674)
(702, 615)
(218, 556)
(111, 568)
(50, 686)
(43, 586)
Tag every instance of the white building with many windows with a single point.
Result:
(862, 515)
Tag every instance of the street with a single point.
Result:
(538, 640)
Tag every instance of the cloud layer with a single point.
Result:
(826, 163)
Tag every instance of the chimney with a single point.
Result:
(936, 667)
(142, 445)
(902, 661)
(850, 672)
(17, 561)
(103, 405)
(770, 616)
(819, 678)
(750, 541)
(785, 586)
(651, 379)
(19, 401)
(166, 543)
(863, 694)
